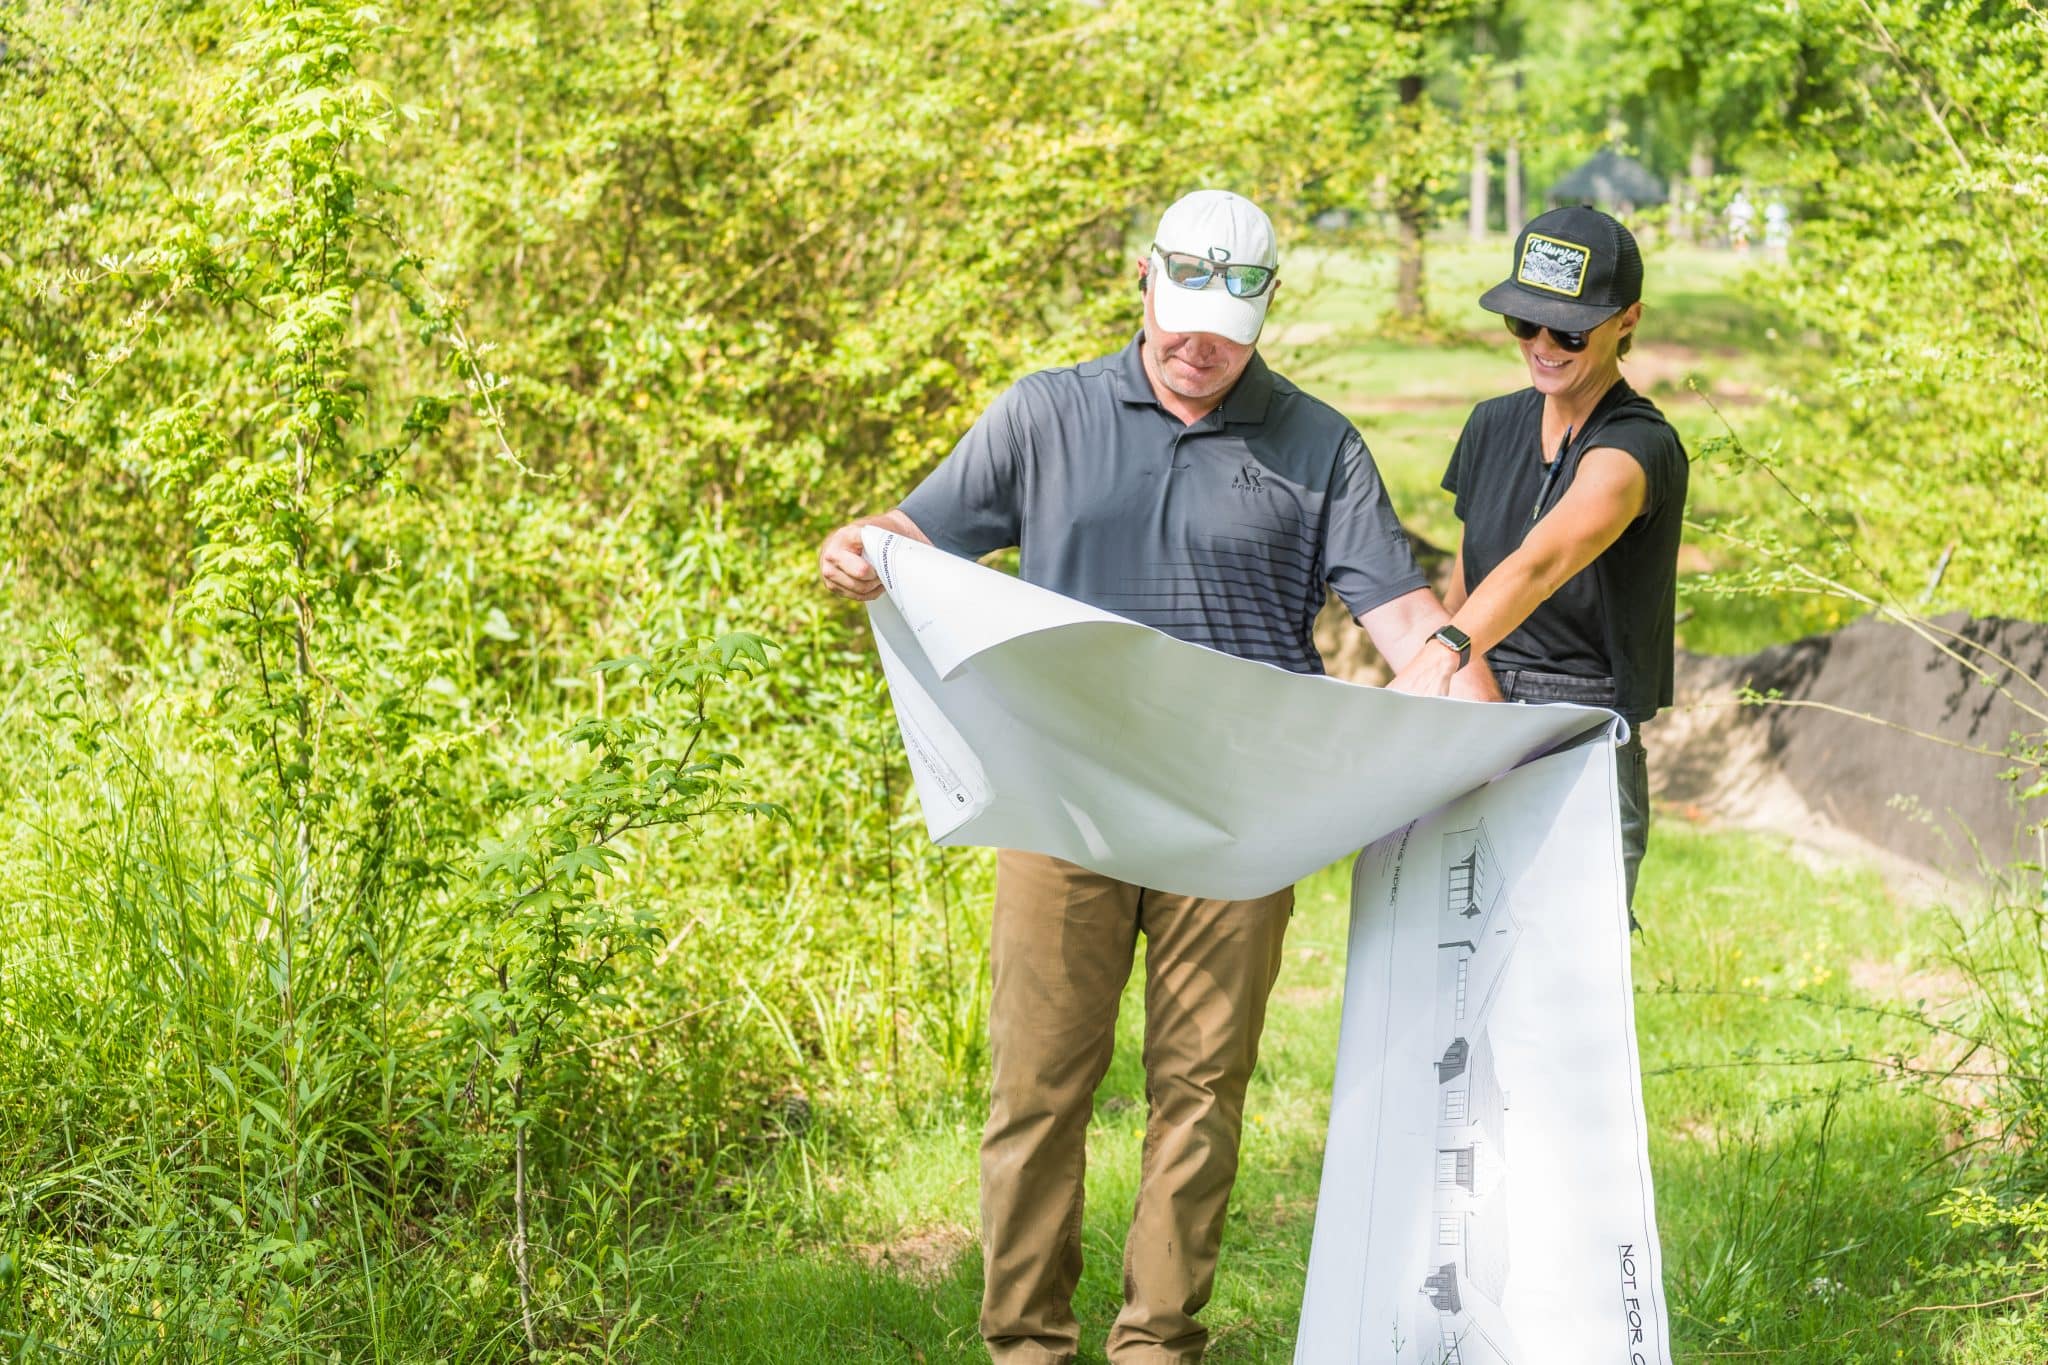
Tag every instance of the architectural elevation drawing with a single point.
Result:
(1469, 1265)
(1473, 880)
(1486, 1195)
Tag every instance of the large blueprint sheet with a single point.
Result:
(1486, 1191)
(1487, 1143)
(1034, 721)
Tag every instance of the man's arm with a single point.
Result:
(1607, 493)
(845, 568)
(1400, 631)
(972, 503)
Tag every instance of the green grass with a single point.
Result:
(1794, 1192)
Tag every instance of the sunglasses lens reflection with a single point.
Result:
(1195, 272)
(1246, 281)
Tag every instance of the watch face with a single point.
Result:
(1455, 638)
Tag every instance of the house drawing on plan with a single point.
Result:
(1469, 1251)
(1459, 1300)
(1474, 882)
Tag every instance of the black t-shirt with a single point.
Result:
(1613, 619)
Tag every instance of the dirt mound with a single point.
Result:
(1878, 737)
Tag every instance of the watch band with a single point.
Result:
(1455, 640)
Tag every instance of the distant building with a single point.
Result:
(1610, 181)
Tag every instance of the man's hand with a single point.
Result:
(1401, 629)
(1475, 682)
(1429, 672)
(844, 566)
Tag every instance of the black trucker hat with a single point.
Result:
(1574, 268)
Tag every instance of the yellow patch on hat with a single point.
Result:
(1554, 265)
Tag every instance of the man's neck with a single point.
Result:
(1188, 410)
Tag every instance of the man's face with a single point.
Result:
(1555, 370)
(1199, 366)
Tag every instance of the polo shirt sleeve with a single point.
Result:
(973, 502)
(1366, 555)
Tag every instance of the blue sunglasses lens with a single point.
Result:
(1193, 272)
(1246, 281)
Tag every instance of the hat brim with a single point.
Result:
(1514, 300)
(1214, 310)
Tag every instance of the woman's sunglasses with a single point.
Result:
(1194, 272)
(1526, 330)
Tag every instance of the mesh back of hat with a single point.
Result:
(1628, 266)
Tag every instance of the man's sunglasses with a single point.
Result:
(1526, 330)
(1194, 272)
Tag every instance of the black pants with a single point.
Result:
(1631, 764)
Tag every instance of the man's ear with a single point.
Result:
(1144, 268)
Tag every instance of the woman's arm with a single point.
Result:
(1606, 495)
(1454, 590)
(1400, 631)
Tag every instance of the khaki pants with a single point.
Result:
(1061, 949)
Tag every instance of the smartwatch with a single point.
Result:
(1455, 640)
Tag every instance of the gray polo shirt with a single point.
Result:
(1222, 533)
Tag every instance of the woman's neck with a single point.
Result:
(1564, 412)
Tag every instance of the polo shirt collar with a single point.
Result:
(1249, 397)
(1132, 384)
(1247, 400)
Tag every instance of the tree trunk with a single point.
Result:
(1681, 221)
(1482, 162)
(1482, 168)
(1408, 273)
(1511, 186)
(1411, 205)
(1699, 173)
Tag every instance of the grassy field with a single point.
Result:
(1794, 1196)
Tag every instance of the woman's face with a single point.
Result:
(1555, 370)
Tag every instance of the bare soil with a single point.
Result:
(925, 1254)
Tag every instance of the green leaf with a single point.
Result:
(497, 627)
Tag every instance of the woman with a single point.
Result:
(1572, 495)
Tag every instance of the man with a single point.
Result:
(1184, 485)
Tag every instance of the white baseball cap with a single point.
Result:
(1226, 229)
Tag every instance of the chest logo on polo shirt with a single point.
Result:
(1247, 480)
(1554, 264)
